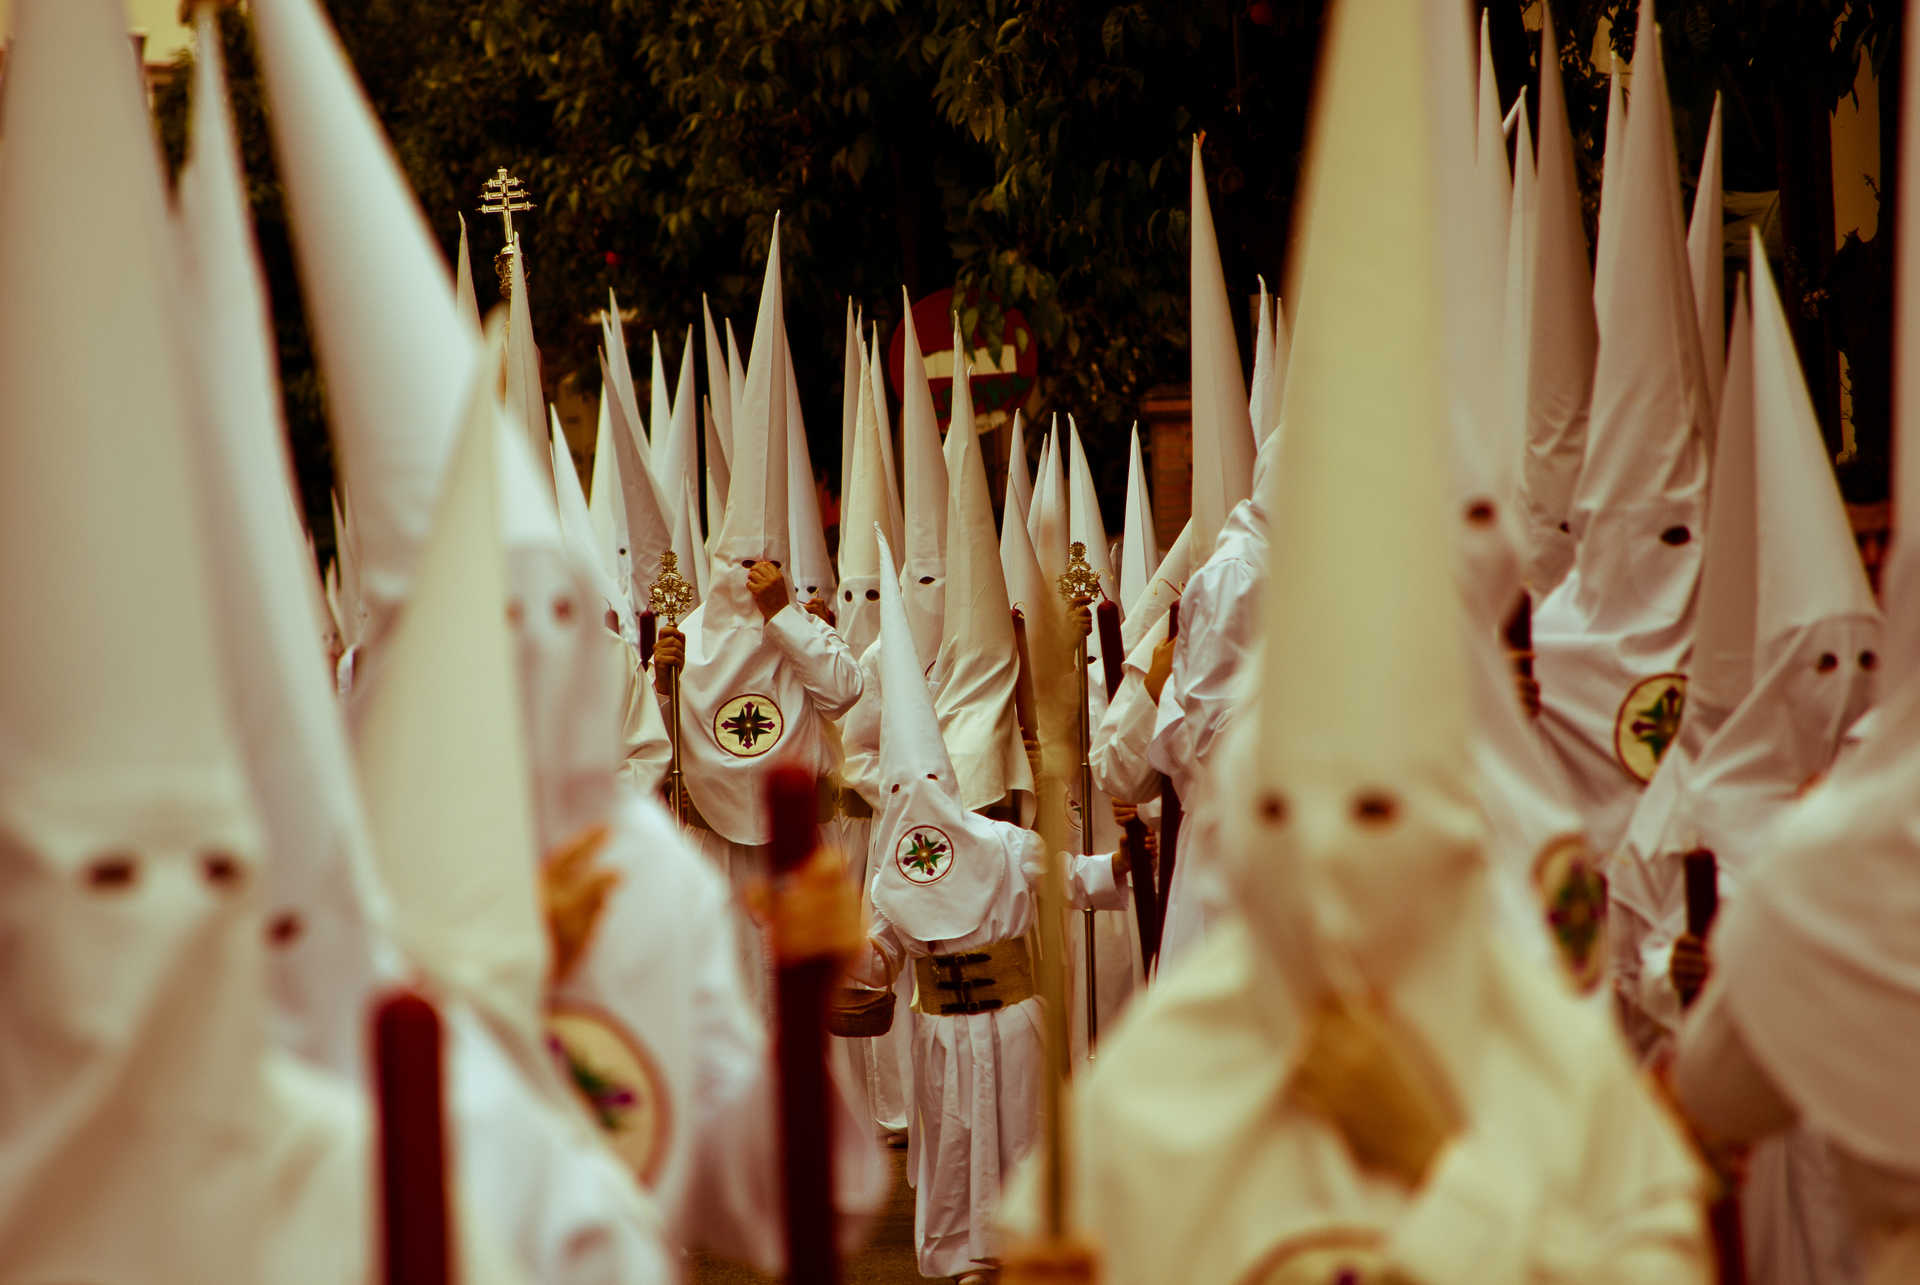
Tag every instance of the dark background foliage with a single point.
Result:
(1033, 153)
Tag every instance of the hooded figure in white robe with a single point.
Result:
(655, 1019)
(1811, 1007)
(1219, 1136)
(1613, 640)
(1813, 656)
(149, 1130)
(952, 885)
(757, 689)
(1219, 613)
(446, 825)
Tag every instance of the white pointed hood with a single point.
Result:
(719, 385)
(463, 294)
(1707, 260)
(1016, 500)
(895, 522)
(755, 525)
(604, 505)
(1263, 396)
(1083, 518)
(526, 398)
(1139, 547)
(676, 446)
(443, 767)
(1820, 958)
(576, 527)
(324, 906)
(977, 664)
(1613, 163)
(1223, 443)
(1562, 339)
(922, 820)
(1040, 487)
(811, 574)
(646, 519)
(863, 509)
(396, 355)
(619, 377)
(1049, 520)
(1720, 673)
(1814, 650)
(134, 982)
(1516, 320)
(659, 399)
(736, 370)
(923, 569)
(1611, 639)
(1353, 807)
(849, 398)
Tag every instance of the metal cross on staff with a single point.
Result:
(1080, 583)
(505, 195)
(670, 596)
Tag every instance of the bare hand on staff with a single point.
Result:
(1160, 668)
(1690, 967)
(1082, 616)
(768, 587)
(814, 913)
(669, 654)
(573, 892)
(1363, 1077)
(819, 610)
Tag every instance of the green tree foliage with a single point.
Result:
(1033, 154)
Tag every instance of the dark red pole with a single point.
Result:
(649, 631)
(1146, 900)
(1170, 813)
(803, 989)
(416, 1245)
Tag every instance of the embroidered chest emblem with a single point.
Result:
(748, 726)
(618, 1080)
(924, 854)
(1648, 722)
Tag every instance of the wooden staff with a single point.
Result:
(415, 1235)
(1078, 584)
(671, 596)
(1170, 813)
(1146, 903)
(1723, 1212)
(1050, 975)
(802, 991)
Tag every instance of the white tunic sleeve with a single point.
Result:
(1216, 633)
(646, 753)
(820, 658)
(1118, 754)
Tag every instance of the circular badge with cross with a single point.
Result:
(1648, 722)
(924, 854)
(748, 726)
(619, 1081)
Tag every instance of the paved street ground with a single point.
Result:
(887, 1259)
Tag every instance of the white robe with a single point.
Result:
(537, 1177)
(663, 967)
(647, 754)
(798, 671)
(976, 1077)
(1219, 615)
(1191, 1165)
